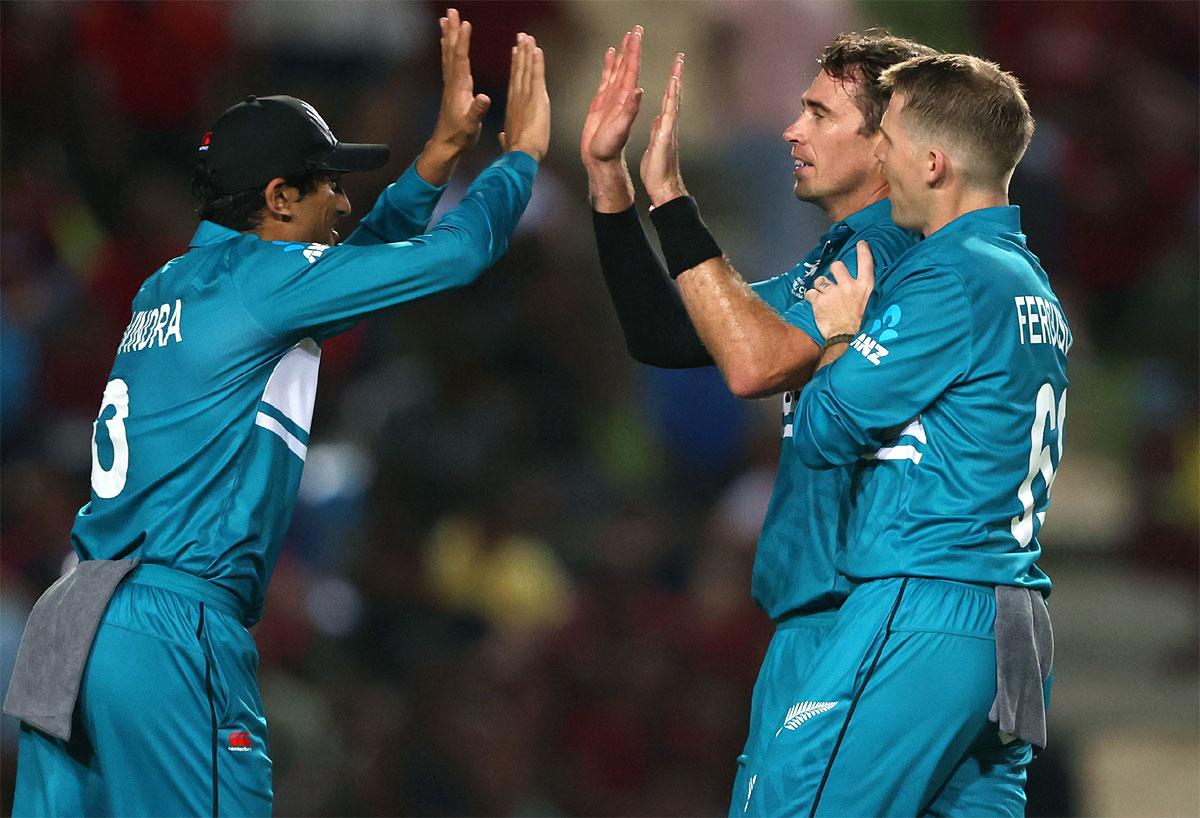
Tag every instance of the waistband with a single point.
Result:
(799, 619)
(189, 585)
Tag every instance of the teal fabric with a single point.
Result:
(143, 737)
(793, 646)
(197, 454)
(806, 519)
(890, 717)
(201, 438)
(951, 405)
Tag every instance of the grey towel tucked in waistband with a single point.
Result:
(1024, 656)
(56, 643)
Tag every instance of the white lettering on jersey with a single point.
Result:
(1040, 321)
(292, 390)
(153, 328)
(871, 349)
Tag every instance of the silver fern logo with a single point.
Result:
(749, 792)
(801, 712)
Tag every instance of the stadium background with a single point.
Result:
(517, 578)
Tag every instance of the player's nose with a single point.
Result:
(793, 132)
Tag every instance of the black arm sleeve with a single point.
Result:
(657, 328)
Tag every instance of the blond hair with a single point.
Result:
(973, 103)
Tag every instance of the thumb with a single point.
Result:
(479, 106)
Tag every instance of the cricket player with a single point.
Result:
(136, 679)
(762, 336)
(951, 402)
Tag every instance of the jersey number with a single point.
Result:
(107, 483)
(1050, 412)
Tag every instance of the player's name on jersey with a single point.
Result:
(1040, 321)
(153, 328)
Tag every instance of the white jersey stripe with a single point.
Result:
(272, 425)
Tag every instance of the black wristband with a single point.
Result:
(685, 240)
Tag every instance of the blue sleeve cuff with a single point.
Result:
(410, 177)
(519, 161)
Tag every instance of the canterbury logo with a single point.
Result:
(801, 712)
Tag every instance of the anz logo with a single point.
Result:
(870, 343)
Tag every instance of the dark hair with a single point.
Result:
(973, 102)
(860, 57)
(241, 211)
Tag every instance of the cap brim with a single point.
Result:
(347, 157)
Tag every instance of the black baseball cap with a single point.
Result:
(261, 138)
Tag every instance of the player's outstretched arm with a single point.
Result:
(758, 353)
(404, 208)
(608, 124)
(527, 121)
(656, 327)
(460, 118)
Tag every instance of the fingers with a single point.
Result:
(840, 272)
(866, 264)
(671, 96)
(610, 64)
(633, 60)
(538, 72)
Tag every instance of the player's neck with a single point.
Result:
(856, 201)
(950, 204)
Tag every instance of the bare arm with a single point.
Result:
(757, 352)
(460, 118)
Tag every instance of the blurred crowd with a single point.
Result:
(517, 579)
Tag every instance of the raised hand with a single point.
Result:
(838, 305)
(460, 119)
(660, 162)
(527, 121)
(615, 105)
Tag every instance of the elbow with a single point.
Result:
(750, 381)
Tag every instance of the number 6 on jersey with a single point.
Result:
(1040, 461)
(107, 483)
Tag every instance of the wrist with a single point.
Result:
(437, 161)
(837, 338)
(610, 187)
(683, 235)
(661, 195)
(535, 153)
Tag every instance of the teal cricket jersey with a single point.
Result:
(952, 402)
(794, 563)
(204, 425)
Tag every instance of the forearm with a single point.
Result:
(437, 161)
(758, 353)
(610, 187)
(656, 327)
(402, 210)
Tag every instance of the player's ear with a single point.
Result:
(936, 167)
(279, 197)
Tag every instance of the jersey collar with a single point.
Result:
(1002, 219)
(212, 233)
(871, 214)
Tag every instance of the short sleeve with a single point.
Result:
(914, 346)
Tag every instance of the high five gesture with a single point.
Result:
(527, 122)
